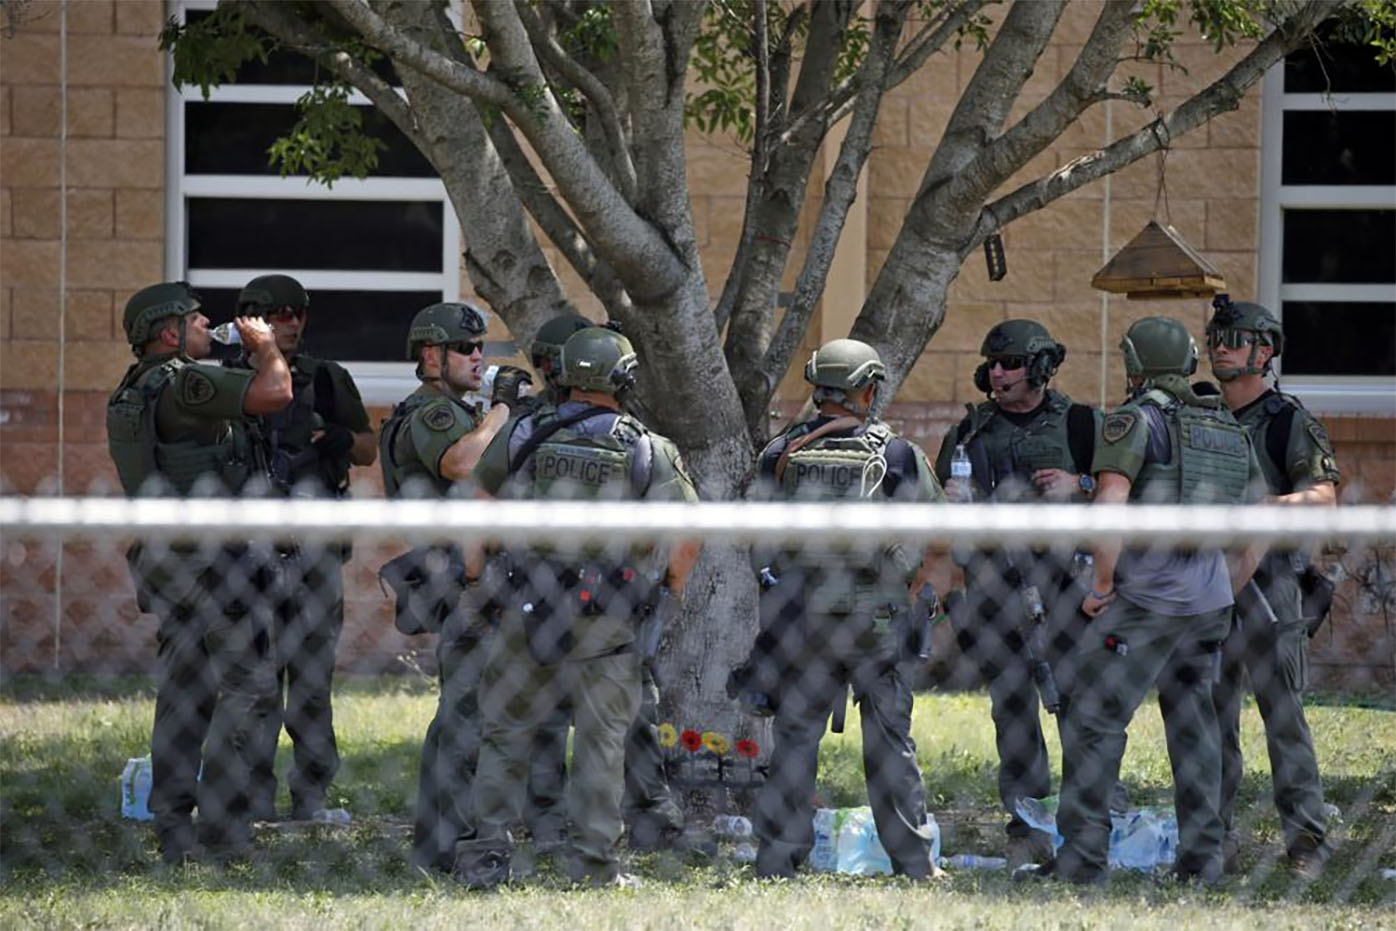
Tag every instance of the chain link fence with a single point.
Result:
(355, 686)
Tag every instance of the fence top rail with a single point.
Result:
(729, 521)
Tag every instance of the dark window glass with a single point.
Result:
(233, 138)
(1353, 246)
(346, 326)
(284, 66)
(1339, 338)
(1339, 147)
(1339, 67)
(349, 235)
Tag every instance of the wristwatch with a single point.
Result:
(1087, 485)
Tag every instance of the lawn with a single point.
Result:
(67, 859)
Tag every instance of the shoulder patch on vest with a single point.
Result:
(439, 418)
(1320, 436)
(1118, 424)
(196, 388)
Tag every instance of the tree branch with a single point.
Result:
(839, 193)
(928, 40)
(1222, 95)
(642, 258)
(279, 20)
(1082, 86)
(592, 87)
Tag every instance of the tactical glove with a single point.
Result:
(509, 385)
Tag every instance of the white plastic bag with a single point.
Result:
(846, 841)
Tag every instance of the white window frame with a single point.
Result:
(378, 382)
(1330, 394)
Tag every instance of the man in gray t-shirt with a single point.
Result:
(1159, 616)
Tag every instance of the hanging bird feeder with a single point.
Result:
(1158, 264)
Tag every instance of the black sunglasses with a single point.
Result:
(467, 348)
(1008, 362)
(1230, 338)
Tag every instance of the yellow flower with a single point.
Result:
(716, 743)
(667, 735)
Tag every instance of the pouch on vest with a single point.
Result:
(427, 583)
(1214, 463)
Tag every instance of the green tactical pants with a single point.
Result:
(649, 806)
(450, 755)
(1273, 656)
(306, 626)
(518, 696)
(784, 810)
(1126, 650)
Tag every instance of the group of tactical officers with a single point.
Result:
(532, 642)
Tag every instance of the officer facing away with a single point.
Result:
(1026, 443)
(1243, 339)
(844, 631)
(312, 443)
(178, 426)
(569, 635)
(1160, 615)
(432, 441)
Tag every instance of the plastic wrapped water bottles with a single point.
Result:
(135, 789)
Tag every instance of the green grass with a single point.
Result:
(67, 859)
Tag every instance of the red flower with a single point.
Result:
(748, 749)
(692, 741)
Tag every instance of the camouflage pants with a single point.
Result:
(1127, 650)
(1273, 657)
(215, 688)
(518, 696)
(308, 620)
(784, 810)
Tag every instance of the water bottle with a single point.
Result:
(227, 334)
(960, 468)
(335, 816)
(135, 789)
(732, 826)
(487, 382)
(972, 861)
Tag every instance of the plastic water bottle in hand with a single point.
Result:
(227, 334)
(961, 470)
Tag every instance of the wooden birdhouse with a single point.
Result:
(1158, 264)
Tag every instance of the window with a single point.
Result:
(371, 253)
(1328, 225)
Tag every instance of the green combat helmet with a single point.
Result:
(841, 368)
(152, 304)
(446, 324)
(266, 292)
(1027, 338)
(1236, 323)
(547, 343)
(597, 359)
(1157, 346)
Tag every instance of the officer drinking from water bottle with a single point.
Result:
(177, 426)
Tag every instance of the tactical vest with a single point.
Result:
(1004, 455)
(1270, 425)
(836, 468)
(1210, 461)
(396, 455)
(139, 453)
(571, 465)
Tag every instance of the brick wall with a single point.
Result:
(115, 240)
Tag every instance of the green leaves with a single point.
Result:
(208, 51)
(328, 141)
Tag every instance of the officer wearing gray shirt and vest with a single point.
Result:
(1160, 614)
(312, 443)
(1268, 646)
(176, 426)
(430, 443)
(1027, 443)
(842, 630)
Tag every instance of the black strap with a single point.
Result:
(541, 433)
(1277, 437)
(1080, 437)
